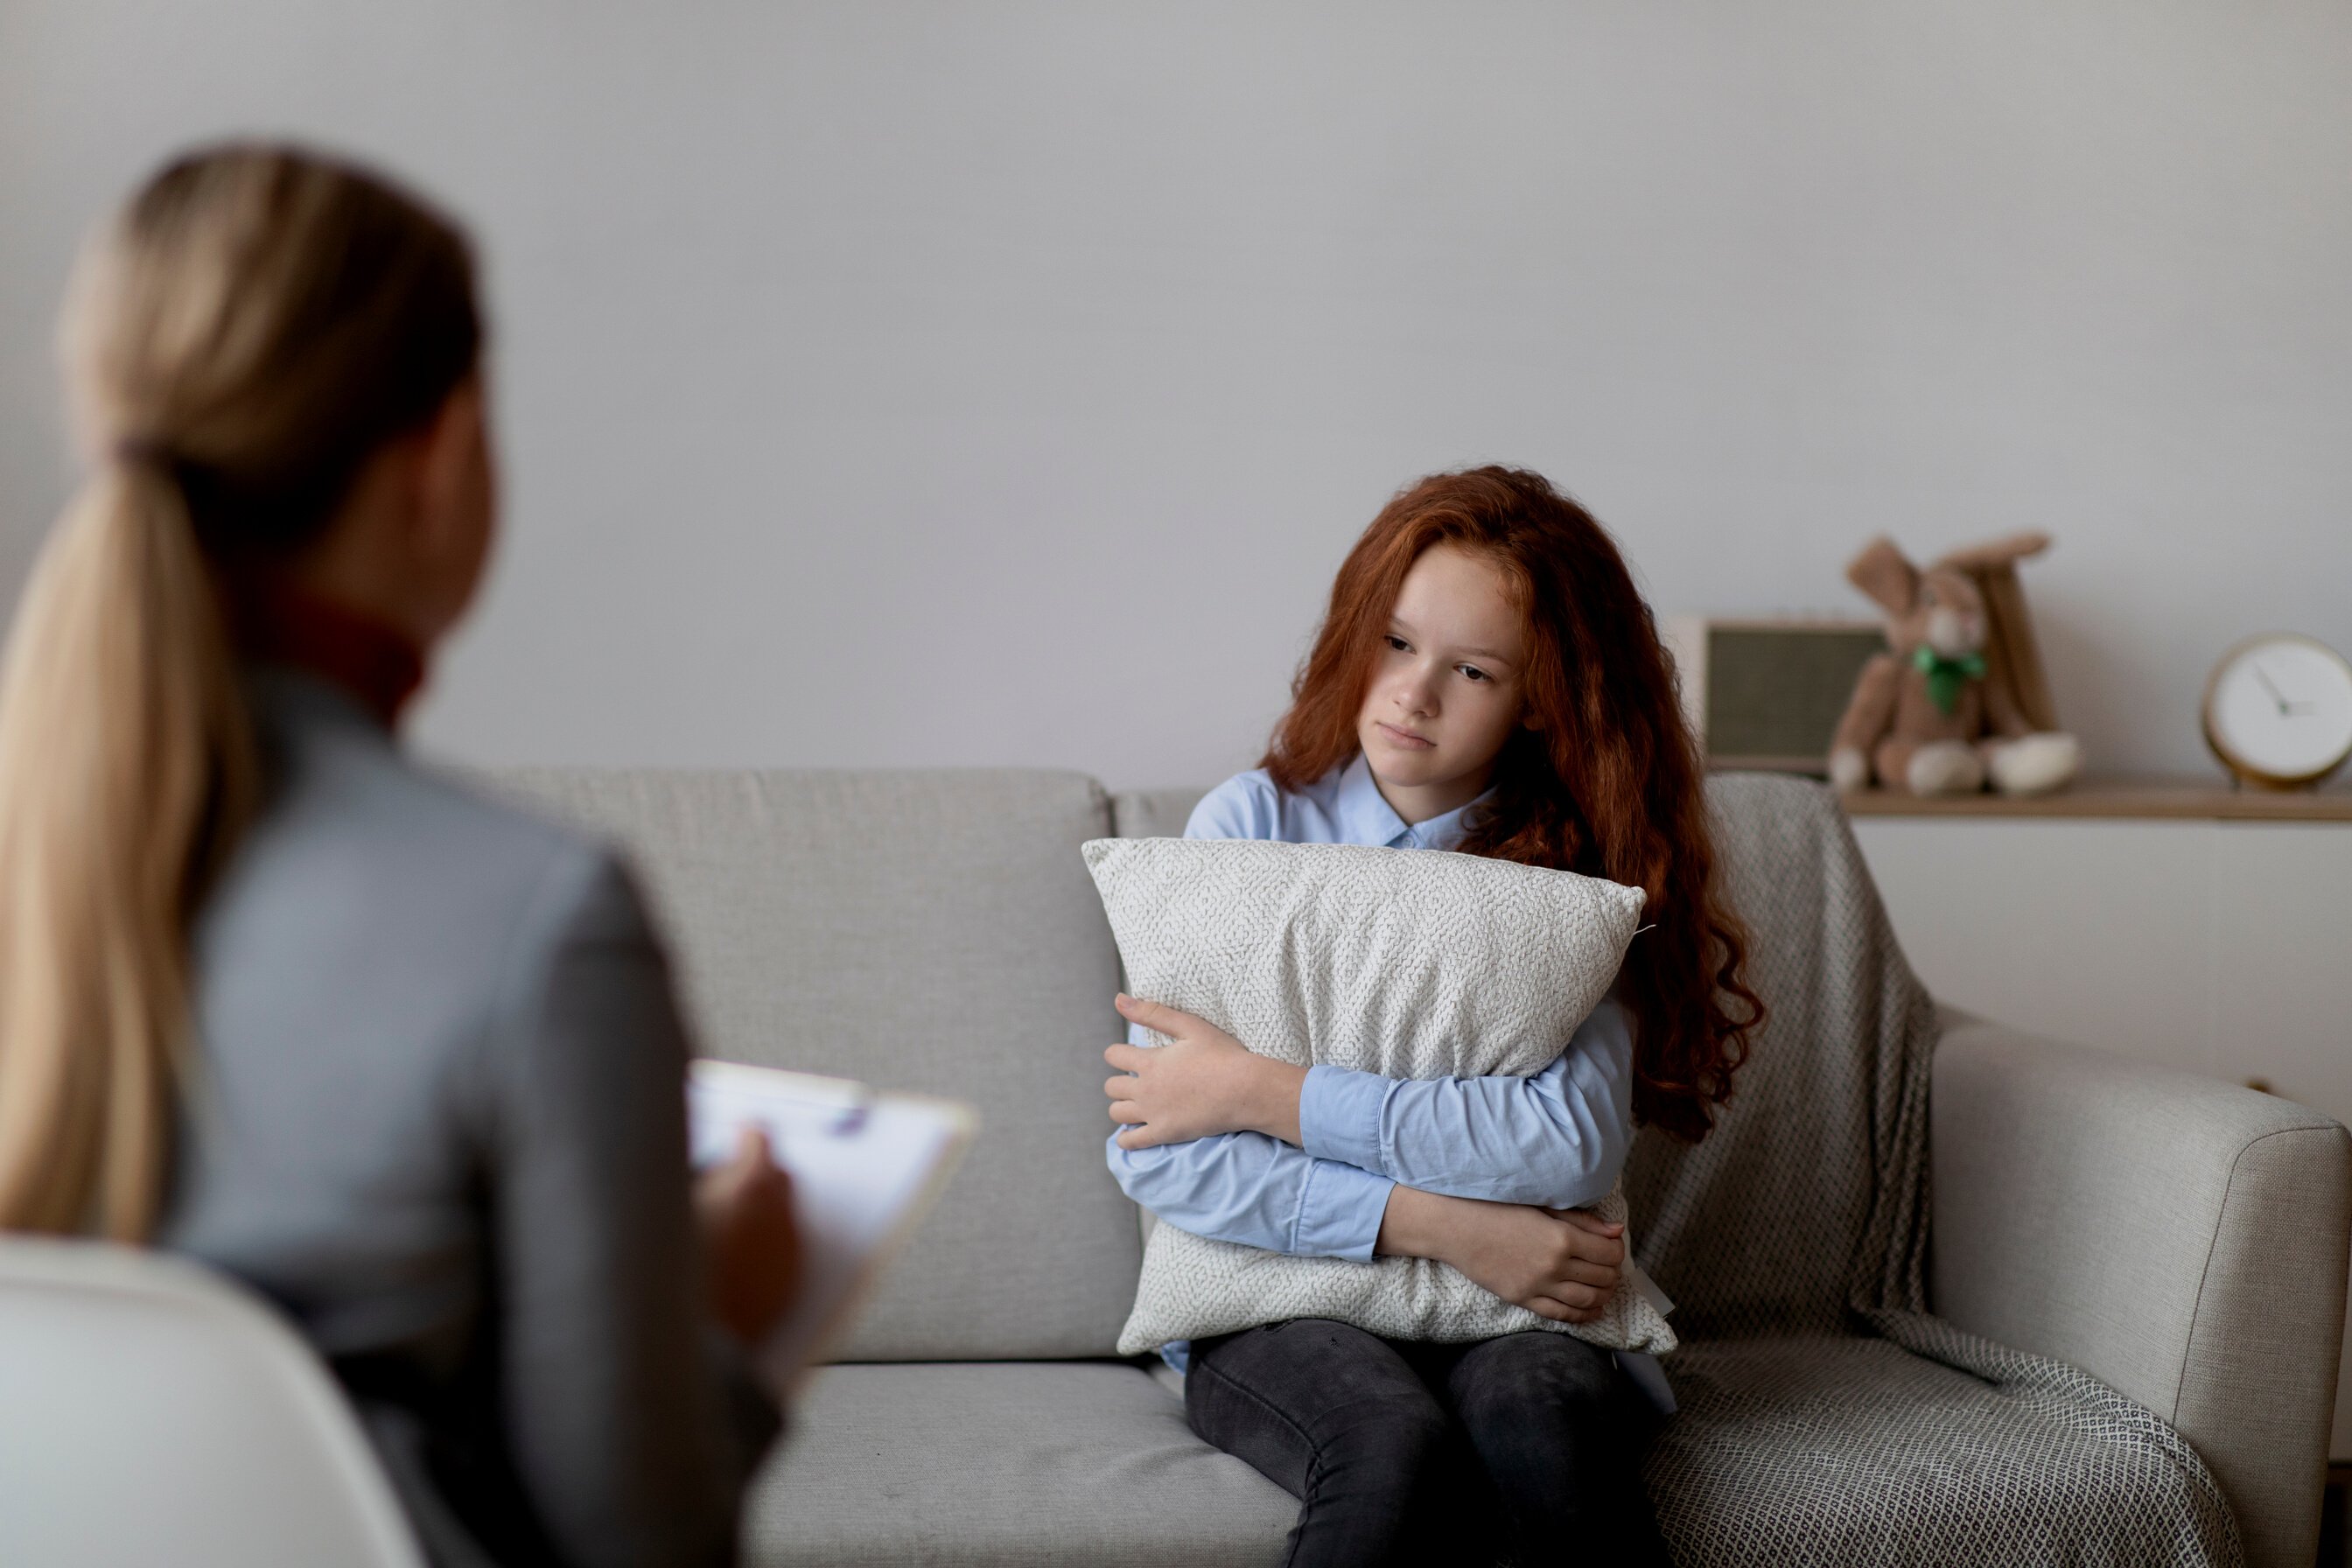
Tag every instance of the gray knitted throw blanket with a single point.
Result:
(1826, 1418)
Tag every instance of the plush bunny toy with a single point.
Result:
(1936, 715)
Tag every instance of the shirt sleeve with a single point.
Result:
(1248, 1188)
(1245, 1187)
(630, 1424)
(1557, 1138)
(1242, 808)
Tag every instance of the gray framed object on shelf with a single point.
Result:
(1768, 693)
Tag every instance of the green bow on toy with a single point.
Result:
(1946, 677)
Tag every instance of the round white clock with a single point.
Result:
(2278, 710)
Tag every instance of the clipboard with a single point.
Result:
(865, 1167)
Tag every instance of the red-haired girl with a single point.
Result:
(1488, 680)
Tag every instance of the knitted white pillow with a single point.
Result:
(1406, 962)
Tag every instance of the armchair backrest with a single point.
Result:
(153, 1412)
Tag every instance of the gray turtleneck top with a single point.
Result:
(438, 1116)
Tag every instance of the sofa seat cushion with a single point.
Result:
(1031, 1463)
(1840, 1451)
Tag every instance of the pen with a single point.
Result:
(851, 1108)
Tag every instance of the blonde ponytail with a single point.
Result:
(259, 320)
(126, 768)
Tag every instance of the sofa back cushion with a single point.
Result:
(924, 931)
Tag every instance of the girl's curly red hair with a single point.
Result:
(1609, 783)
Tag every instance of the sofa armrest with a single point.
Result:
(2181, 1239)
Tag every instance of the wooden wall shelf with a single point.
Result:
(2139, 799)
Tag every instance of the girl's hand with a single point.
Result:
(1203, 1083)
(1562, 1264)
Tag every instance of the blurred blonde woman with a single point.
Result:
(406, 1061)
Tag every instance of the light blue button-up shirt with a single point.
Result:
(1557, 1138)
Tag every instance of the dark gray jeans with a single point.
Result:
(1523, 1447)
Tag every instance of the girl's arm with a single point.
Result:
(1561, 1265)
(1248, 1188)
(1236, 1183)
(1556, 1139)
(1237, 1173)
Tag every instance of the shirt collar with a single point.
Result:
(1366, 817)
(1449, 829)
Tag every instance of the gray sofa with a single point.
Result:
(2182, 1240)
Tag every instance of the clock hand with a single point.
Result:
(2277, 696)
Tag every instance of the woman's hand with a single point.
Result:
(750, 1237)
(1561, 1264)
(1202, 1083)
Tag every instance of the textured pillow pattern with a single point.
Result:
(1406, 962)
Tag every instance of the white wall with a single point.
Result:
(977, 384)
